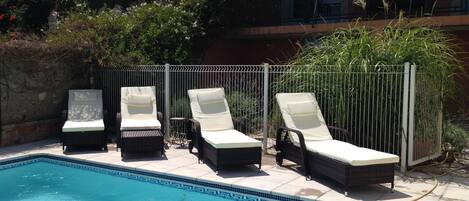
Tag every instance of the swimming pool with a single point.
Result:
(49, 178)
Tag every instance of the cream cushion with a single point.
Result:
(229, 139)
(349, 153)
(138, 108)
(140, 124)
(85, 105)
(138, 103)
(213, 113)
(85, 111)
(306, 117)
(83, 126)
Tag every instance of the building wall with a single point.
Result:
(251, 51)
(462, 79)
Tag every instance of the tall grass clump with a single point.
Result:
(342, 70)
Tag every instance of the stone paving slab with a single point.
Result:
(273, 179)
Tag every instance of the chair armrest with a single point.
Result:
(63, 117)
(160, 118)
(193, 126)
(341, 131)
(303, 150)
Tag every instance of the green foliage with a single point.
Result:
(32, 15)
(145, 34)
(180, 107)
(24, 14)
(455, 135)
(244, 111)
(361, 49)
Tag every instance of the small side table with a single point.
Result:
(179, 131)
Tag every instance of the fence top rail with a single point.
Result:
(259, 68)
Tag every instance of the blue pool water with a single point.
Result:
(43, 180)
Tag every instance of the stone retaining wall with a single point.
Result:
(35, 79)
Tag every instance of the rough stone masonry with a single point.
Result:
(35, 79)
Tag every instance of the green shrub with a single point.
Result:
(181, 108)
(455, 135)
(244, 110)
(144, 34)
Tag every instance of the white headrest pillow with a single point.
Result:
(304, 108)
(139, 100)
(209, 97)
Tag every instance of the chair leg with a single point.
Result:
(392, 187)
(279, 159)
(191, 146)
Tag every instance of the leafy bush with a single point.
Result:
(32, 15)
(145, 34)
(244, 110)
(455, 135)
(181, 107)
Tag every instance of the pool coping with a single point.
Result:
(168, 176)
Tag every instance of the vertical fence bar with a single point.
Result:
(405, 110)
(411, 113)
(440, 125)
(166, 99)
(266, 106)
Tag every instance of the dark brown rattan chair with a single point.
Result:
(245, 151)
(314, 163)
(139, 125)
(83, 139)
(221, 157)
(83, 123)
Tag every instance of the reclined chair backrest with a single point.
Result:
(210, 108)
(301, 111)
(85, 105)
(138, 103)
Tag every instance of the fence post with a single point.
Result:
(266, 106)
(411, 114)
(405, 115)
(166, 99)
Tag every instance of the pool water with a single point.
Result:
(42, 180)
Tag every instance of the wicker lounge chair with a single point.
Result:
(306, 140)
(83, 123)
(213, 134)
(138, 124)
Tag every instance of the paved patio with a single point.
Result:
(272, 178)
